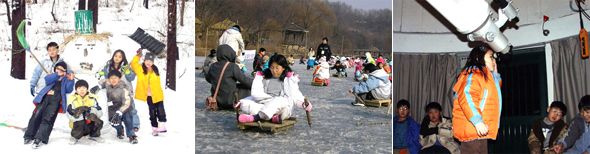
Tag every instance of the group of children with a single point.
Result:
(436, 134)
(82, 107)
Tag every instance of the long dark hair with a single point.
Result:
(476, 59)
(123, 61)
(280, 60)
(145, 69)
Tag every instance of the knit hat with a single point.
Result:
(149, 56)
(81, 83)
(323, 59)
(265, 58)
(62, 64)
(370, 67)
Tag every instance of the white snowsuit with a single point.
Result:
(259, 102)
(233, 38)
(324, 71)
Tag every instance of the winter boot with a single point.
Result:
(357, 104)
(37, 143)
(97, 139)
(133, 139)
(73, 140)
(28, 140)
(154, 132)
(245, 118)
(121, 136)
(162, 127)
(277, 119)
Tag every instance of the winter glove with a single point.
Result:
(79, 110)
(482, 129)
(93, 117)
(127, 71)
(308, 108)
(33, 90)
(116, 119)
(94, 89)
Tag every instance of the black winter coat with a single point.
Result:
(225, 95)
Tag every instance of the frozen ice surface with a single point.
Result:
(333, 130)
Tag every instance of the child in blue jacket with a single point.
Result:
(50, 101)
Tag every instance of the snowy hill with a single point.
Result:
(117, 19)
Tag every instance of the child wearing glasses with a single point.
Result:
(406, 131)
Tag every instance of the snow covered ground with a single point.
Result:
(333, 130)
(17, 103)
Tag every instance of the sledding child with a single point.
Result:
(50, 101)
(274, 94)
(119, 63)
(301, 61)
(241, 64)
(340, 69)
(577, 138)
(311, 63)
(547, 131)
(376, 87)
(149, 90)
(290, 60)
(322, 72)
(119, 102)
(84, 112)
(359, 75)
(406, 131)
(379, 59)
(38, 78)
(369, 59)
(386, 69)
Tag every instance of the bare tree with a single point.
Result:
(172, 49)
(52, 10)
(18, 54)
(7, 11)
(182, 13)
(81, 4)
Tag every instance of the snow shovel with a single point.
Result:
(147, 41)
(20, 34)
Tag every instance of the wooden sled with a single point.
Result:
(337, 75)
(273, 127)
(378, 103)
(313, 83)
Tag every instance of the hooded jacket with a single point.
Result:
(76, 101)
(143, 80)
(476, 100)
(225, 95)
(378, 84)
(38, 78)
(233, 38)
(290, 89)
(118, 95)
(537, 138)
(322, 71)
(67, 86)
